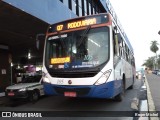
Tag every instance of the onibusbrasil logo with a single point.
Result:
(21, 114)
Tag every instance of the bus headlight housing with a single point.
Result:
(103, 78)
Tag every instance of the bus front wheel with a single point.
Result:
(120, 96)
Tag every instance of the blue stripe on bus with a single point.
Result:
(107, 90)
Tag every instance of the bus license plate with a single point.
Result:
(70, 94)
(10, 94)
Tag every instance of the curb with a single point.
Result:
(151, 105)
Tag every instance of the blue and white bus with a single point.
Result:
(88, 56)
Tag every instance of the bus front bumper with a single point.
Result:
(107, 90)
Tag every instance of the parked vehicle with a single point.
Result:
(30, 87)
(138, 75)
(156, 72)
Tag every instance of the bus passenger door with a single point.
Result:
(117, 61)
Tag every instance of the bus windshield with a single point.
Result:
(78, 49)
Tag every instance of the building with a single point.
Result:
(22, 21)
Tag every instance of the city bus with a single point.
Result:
(88, 56)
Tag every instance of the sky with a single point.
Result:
(140, 20)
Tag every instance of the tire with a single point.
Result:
(120, 96)
(131, 87)
(34, 96)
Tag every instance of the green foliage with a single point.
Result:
(149, 63)
(154, 46)
(153, 62)
(158, 61)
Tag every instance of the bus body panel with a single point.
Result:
(124, 68)
(107, 90)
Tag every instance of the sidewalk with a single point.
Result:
(153, 93)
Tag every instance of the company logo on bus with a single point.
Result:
(69, 82)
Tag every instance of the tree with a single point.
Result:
(149, 62)
(154, 48)
(158, 61)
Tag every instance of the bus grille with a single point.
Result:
(79, 91)
(73, 75)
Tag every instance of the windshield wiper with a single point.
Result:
(59, 35)
(83, 35)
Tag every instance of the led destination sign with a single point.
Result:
(60, 60)
(82, 23)
(79, 22)
(76, 24)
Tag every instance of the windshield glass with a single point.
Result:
(78, 49)
(31, 79)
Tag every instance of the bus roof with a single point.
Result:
(111, 11)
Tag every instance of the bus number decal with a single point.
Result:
(60, 81)
(59, 27)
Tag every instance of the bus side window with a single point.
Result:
(115, 43)
(124, 53)
(120, 51)
(120, 44)
(133, 61)
(130, 57)
(114, 47)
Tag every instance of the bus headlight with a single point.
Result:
(103, 78)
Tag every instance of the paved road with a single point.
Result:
(54, 103)
(154, 84)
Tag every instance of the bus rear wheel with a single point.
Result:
(131, 87)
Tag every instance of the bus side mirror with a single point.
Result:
(38, 38)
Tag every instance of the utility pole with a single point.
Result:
(159, 55)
